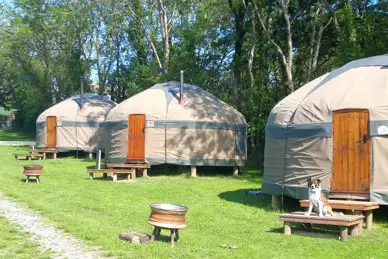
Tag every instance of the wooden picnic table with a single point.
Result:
(44, 151)
(362, 207)
(351, 223)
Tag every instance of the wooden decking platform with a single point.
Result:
(362, 207)
(347, 223)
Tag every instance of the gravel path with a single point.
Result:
(49, 237)
(17, 143)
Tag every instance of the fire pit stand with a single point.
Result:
(33, 170)
(174, 234)
(167, 216)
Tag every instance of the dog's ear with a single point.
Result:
(309, 181)
(319, 181)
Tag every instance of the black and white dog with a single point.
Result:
(318, 199)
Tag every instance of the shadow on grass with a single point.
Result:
(381, 215)
(31, 180)
(100, 178)
(241, 196)
(261, 200)
(304, 231)
(206, 171)
(82, 155)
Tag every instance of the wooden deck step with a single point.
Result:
(336, 220)
(27, 156)
(131, 173)
(44, 152)
(352, 223)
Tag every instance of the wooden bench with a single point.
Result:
(140, 167)
(131, 173)
(28, 156)
(44, 151)
(359, 207)
(347, 223)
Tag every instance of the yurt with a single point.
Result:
(159, 125)
(76, 123)
(335, 128)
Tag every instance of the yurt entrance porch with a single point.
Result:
(351, 154)
(136, 138)
(51, 134)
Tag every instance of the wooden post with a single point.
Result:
(90, 176)
(154, 234)
(193, 171)
(91, 156)
(145, 172)
(55, 155)
(98, 159)
(361, 227)
(354, 231)
(28, 178)
(287, 228)
(44, 155)
(276, 202)
(368, 219)
(176, 235)
(235, 171)
(114, 176)
(344, 233)
(37, 179)
(172, 237)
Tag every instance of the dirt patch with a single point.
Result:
(46, 235)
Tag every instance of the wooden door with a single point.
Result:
(51, 132)
(136, 138)
(351, 147)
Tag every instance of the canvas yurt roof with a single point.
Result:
(79, 122)
(203, 131)
(299, 130)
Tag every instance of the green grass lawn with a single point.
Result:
(15, 244)
(219, 213)
(14, 136)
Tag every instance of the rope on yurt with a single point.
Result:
(165, 131)
(76, 131)
(284, 167)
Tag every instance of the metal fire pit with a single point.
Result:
(33, 170)
(167, 216)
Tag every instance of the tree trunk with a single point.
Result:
(252, 50)
(239, 23)
(288, 66)
(165, 34)
(117, 67)
(286, 59)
